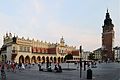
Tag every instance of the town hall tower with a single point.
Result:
(107, 38)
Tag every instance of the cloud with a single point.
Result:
(73, 35)
(46, 21)
(38, 6)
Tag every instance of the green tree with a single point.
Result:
(68, 57)
(91, 56)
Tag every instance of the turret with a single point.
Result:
(62, 42)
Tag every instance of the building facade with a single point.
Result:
(85, 55)
(97, 54)
(117, 53)
(107, 39)
(30, 51)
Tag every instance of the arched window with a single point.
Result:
(14, 48)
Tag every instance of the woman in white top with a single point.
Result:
(23, 66)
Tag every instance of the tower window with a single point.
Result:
(13, 48)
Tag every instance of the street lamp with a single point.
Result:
(80, 61)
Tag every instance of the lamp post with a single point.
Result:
(80, 61)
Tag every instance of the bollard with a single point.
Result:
(89, 74)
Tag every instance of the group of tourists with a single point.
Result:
(56, 68)
(12, 66)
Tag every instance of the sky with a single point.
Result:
(78, 21)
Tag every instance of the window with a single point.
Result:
(42, 50)
(20, 48)
(25, 49)
(13, 48)
(28, 49)
(62, 51)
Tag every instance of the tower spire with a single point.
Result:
(108, 20)
(107, 10)
(62, 41)
(107, 14)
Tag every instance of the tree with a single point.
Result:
(68, 57)
(91, 56)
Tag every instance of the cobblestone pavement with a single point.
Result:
(109, 71)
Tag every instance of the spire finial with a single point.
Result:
(107, 10)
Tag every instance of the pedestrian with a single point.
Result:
(8, 67)
(39, 66)
(55, 68)
(49, 69)
(88, 64)
(29, 65)
(77, 66)
(59, 68)
(3, 75)
(13, 67)
(23, 66)
(20, 66)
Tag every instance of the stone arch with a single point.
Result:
(55, 60)
(27, 59)
(51, 59)
(38, 59)
(47, 59)
(33, 59)
(58, 59)
(62, 59)
(43, 59)
(21, 59)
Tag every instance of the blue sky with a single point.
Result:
(78, 21)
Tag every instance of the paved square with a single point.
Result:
(109, 71)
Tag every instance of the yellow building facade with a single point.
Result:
(33, 51)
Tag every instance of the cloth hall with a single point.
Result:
(24, 50)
